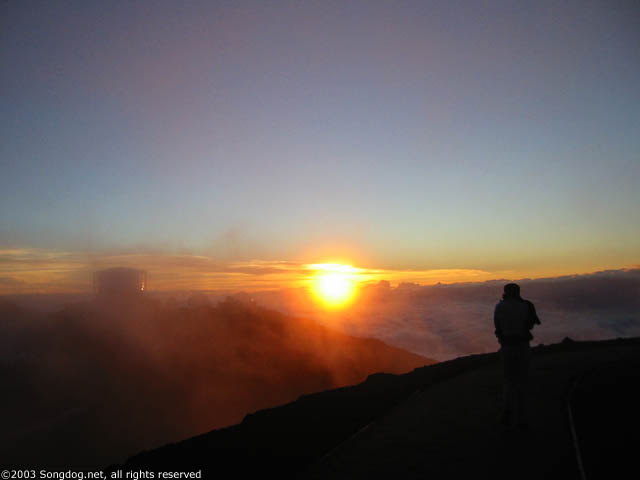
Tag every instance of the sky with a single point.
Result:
(428, 141)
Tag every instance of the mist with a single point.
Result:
(98, 380)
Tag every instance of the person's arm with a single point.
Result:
(533, 316)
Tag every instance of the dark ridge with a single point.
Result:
(286, 440)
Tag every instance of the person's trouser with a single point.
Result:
(515, 361)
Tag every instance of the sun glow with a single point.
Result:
(334, 284)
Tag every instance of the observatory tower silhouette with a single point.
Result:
(119, 282)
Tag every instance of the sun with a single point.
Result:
(334, 284)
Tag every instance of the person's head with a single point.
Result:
(511, 290)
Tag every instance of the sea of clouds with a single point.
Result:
(447, 321)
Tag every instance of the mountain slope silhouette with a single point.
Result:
(438, 421)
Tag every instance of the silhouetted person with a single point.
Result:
(513, 319)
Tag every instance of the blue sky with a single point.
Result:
(411, 135)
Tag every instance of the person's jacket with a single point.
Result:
(513, 319)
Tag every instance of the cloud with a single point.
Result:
(50, 271)
(446, 321)
(8, 281)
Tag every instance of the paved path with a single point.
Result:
(607, 420)
(452, 430)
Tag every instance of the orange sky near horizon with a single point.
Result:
(231, 145)
(48, 271)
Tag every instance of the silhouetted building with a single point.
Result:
(119, 282)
